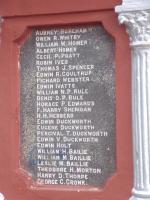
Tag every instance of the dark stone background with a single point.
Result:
(101, 53)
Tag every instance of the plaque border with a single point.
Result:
(16, 30)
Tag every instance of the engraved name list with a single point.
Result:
(68, 106)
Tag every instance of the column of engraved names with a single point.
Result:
(73, 101)
(61, 104)
(46, 104)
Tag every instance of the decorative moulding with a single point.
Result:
(132, 5)
(138, 26)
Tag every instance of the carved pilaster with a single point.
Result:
(141, 122)
(138, 27)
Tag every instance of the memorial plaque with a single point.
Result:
(68, 106)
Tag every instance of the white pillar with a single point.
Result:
(135, 14)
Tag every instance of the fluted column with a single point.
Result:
(136, 16)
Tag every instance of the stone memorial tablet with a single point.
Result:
(67, 106)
